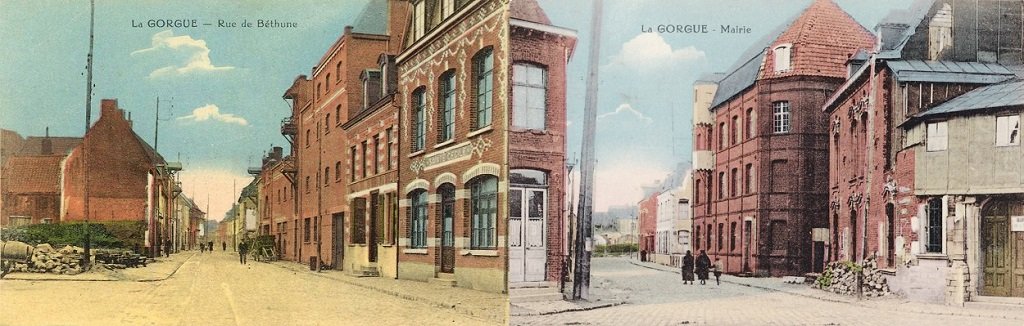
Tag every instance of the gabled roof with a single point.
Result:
(949, 71)
(1010, 93)
(911, 18)
(33, 174)
(528, 10)
(823, 37)
(373, 19)
(151, 153)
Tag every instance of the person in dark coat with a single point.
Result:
(223, 246)
(703, 265)
(242, 250)
(688, 268)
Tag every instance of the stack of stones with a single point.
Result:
(45, 259)
(841, 277)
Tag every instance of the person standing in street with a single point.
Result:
(167, 248)
(703, 264)
(202, 248)
(687, 268)
(716, 268)
(242, 250)
(223, 246)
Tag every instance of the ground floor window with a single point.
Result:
(484, 208)
(933, 237)
(418, 219)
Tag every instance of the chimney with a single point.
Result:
(108, 108)
(47, 144)
(277, 153)
(891, 34)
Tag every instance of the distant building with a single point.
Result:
(31, 190)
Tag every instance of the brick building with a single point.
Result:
(31, 190)
(767, 189)
(128, 179)
(539, 54)
(277, 202)
(893, 197)
(453, 136)
(647, 223)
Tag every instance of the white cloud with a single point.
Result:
(649, 51)
(620, 183)
(211, 111)
(628, 109)
(197, 51)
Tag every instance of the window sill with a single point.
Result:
(417, 153)
(415, 251)
(445, 143)
(357, 245)
(480, 252)
(479, 131)
(531, 130)
(933, 256)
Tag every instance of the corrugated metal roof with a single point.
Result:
(948, 71)
(992, 96)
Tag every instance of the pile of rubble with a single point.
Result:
(45, 259)
(841, 277)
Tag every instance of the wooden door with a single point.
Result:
(338, 234)
(447, 228)
(995, 231)
(375, 212)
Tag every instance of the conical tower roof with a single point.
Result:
(823, 37)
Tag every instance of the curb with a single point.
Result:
(855, 303)
(594, 307)
(468, 312)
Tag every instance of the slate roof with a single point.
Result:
(1010, 93)
(948, 71)
(528, 10)
(912, 18)
(373, 19)
(823, 38)
(33, 174)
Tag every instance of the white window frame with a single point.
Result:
(524, 115)
(781, 117)
(447, 8)
(937, 136)
(419, 19)
(1008, 130)
(783, 57)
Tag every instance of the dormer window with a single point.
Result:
(782, 57)
(371, 87)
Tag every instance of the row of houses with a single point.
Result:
(828, 142)
(665, 219)
(109, 175)
(427, 144)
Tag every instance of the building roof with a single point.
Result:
(911, 18)
(948, 71)
(33, 145)
(823, 37)
(33, 174)
(1010, 93)
(251, 190)
(528, 10)
(373, 19)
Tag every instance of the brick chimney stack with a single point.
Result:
(108, 108)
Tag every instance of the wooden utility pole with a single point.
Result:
(88, 120)
(581, 272)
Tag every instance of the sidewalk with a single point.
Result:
(491, 307)
(158, 269)
(890, 303)
(598, 299)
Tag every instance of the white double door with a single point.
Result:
(527, 234)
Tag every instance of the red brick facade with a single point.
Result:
(549, 48)
(31, 190)
(647, 221)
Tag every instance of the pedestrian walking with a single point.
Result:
(209, 246)
(687, 268)
(202, 248)
(223, 246)
(167, 248)
(242, 250)
(716, 268)
(703, 265)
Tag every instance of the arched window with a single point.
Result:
(418, 120)
(446, 116)
(337, 170)
(308, 137)
(751, 127)
(327, 172)
(483, 209)
(337, 114)
(418, 219)
(327, 123)
(483, 71)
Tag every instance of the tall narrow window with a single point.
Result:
(780, 121)
(723, 136)
(721, 236)
(934, 229)
(735, 182)
(337, 170)
(418, 120)
(483, 64)
(446, 118)
(732, 236)
(359, 220)
(737, 132)
(376, 154)
(1008, 130)
(352, 164)
(447, 8)
(751, 128)
(937, 137)
(696, 237)
(307, 184)
(782, 57)
(327, 172)
(327, 84)
(748, 186)
(484, 204)
(327, 123)
(387, 134)
(418, 219)
(366, 161)
(337, 114)
(419, 19)
(529, 96)
(696, 192)
(721, 185)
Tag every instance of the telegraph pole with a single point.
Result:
(88, 119)
(581, 272)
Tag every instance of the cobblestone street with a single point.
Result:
(656, 297)
(214, 289)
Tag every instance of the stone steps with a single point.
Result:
(534, 292)
(444, 279)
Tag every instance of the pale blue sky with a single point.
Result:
(648, 79)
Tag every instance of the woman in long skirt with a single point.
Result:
(687, 268)
(703, 265)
